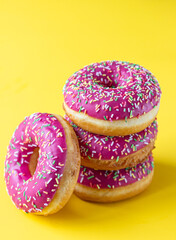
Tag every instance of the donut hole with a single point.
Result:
(106, 85)
(33, 161)
(106, 82)
(110, 76)
(106, 78)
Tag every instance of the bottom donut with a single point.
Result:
(110, 186)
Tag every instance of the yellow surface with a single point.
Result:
(41, 44)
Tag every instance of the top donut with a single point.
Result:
(112, 98)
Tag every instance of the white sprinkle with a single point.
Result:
(60, 148)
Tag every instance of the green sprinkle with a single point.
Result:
(36, 120)
(12, 146)
(109, 186)
(39, 193)
(46, 125)
(105, 118)
(80, 109)
(117, 159)
(19, 164)
(131, 113)
(116, 176)
(139, 95)
(8, 166)
(90, 177)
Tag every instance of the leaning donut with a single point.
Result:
(112, 153)
(112, 98)
(42, 186)
(109, 186)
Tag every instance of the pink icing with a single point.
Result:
(112, 179)
(109, 148)
(33, 193)
(112, 90)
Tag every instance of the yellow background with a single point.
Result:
(41, 44)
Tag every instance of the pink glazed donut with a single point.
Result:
(42, 164)
(112, 98)
(110, 186)
(112, 153)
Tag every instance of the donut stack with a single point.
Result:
(112, 106)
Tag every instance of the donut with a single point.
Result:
(112, 153)
(42, 164)
(109, 186)
(112, 98)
